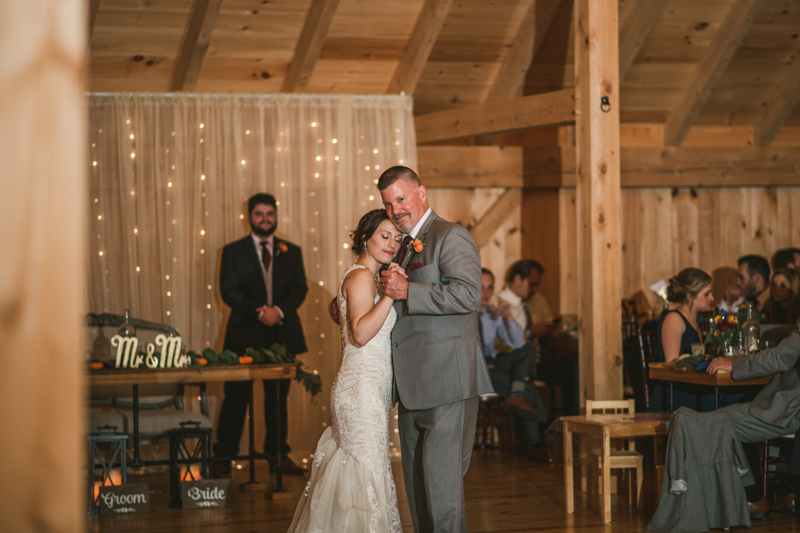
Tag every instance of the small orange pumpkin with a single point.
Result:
(201, 361)
(245, 360)
(96, 365)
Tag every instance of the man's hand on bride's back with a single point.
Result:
(333, 310)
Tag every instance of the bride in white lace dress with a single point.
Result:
(351, 487)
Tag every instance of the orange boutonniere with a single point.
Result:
(417, 245)
(283, 247)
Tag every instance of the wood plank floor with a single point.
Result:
(505, 494)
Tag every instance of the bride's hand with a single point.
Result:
(394, 267)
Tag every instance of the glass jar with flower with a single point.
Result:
(724, 329)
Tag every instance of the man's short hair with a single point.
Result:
(390, 175)
(521, 268)
(536, 265)
(259, 199)
(756, 264)
(489, 272)
(784, 257)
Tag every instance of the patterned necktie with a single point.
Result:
(403, 250)
(266, 257)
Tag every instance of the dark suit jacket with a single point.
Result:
(242, 286)
(779, 402)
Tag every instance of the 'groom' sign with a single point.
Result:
(205, 494)
(125, 499)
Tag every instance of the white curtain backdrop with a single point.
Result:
(170, 175)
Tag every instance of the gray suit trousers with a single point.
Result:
(752, 429)
(437, 445)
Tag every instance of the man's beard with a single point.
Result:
(403, 229)
(750, 291)
(264, 233)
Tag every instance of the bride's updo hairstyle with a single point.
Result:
(688, 282)
(366, 228)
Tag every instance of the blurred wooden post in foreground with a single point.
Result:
(598, 198)
(42, 157)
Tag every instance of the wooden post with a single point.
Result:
(43, 157)
(598, 198)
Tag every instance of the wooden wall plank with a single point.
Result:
(470, 166)
(540, 228)
(511, 76)
(598, 199)
(483, 230)
(720, 52)
(520, 113)
(312, 39)
(195, 44)
(43, 151)
(419, 46)
(780, 105)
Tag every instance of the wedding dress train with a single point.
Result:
(351, 487)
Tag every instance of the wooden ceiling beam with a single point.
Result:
(491, 221)
(309, 46)
(94, 6)
(634, 30)
(720, 52)
(195, 44)
(420, 44)
(780, 106)
(546, 109)
(680, 166)
(511, 76)
(470, 166)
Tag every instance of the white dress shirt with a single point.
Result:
(415, 229)
(266, 273)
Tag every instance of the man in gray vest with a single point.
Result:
(439, 368)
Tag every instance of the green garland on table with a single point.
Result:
(277, 354)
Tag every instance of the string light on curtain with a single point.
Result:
(311, 152)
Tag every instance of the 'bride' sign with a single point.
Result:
(170, 356)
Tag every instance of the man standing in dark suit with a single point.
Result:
(263, 280)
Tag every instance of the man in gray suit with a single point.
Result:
(775, 410)
(439, 368)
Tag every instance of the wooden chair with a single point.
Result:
(627, 459)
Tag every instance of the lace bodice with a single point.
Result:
(346, 331)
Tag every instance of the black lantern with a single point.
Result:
(179, 455)
(105, 440)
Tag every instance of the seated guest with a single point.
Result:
(678, 330)
(786, 258)
(538, 306)
(522, 283)
(512, 371)
(782, 307)
(752, 284)
(774, 412)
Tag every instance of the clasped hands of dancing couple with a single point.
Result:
(409, 337)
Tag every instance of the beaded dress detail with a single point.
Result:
(351, 487)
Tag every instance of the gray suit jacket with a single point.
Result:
(779, 402)
(436, 349)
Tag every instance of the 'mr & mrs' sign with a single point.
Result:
(170, 356)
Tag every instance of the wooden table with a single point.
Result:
(606, 427)
(201, 376)
(667, 372)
